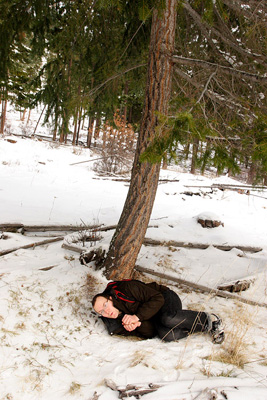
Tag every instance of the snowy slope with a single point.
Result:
(53, 347)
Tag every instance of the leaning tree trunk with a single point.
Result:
(129, 235)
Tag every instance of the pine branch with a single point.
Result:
(118, 75)
(257, 8)
(227, 70)
(203, 28)
(204, 90)
(213, 96)
(207, 29)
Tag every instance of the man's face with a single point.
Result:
(105, 307)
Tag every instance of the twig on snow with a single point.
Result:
(132, 390)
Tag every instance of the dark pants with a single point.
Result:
(170, 323)
(174, 323)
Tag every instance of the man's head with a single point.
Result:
(103, 305)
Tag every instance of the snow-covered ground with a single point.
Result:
(54, 347)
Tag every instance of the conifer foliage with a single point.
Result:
(85, 59)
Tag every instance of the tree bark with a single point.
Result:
(79, 125)
(97, 130)
(3, 116)
(129, 235)
(252, 172)
(90, 132)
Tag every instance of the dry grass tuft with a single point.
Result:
(226, 373)
(91, 285)
(74, 388)
(234, 350)
(264, 362)
(139, 357)
(196, 306)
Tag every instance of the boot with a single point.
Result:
(217, 331)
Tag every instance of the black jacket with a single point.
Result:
(141, 299)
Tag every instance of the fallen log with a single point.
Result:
(31, 245)
(55, 228)
(201, 288)
(11, 227)
(42, 228)
(15, 227)
(76, 249)
(228, 186)
(173, 243)
(154, 242)
(237, 286)
(250, 249)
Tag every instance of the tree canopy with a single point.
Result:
(93, 54)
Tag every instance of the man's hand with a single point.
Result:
(132, 327)
(130, 319)
(130, 322)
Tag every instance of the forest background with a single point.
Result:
(86, 59)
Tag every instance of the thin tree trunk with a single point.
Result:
(186, 151)
(61, 137)
(104, 135)
(65, 106)
(3, 116)
(194, 156)
(90, 132)
(252, 172)
(97, 130)
(75, 126)
(55, 128)
(39, 119)
(29, 116)
(205, 158)
(76, 118)
(22, 117)
(164, 161)
(79, 125)
(129, 235)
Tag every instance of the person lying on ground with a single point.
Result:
(146, 310)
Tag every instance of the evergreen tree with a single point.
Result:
(219, 74)
(128, 237)
(216, 107)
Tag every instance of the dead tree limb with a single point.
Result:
(237, 286)
(31, 245)
(76, 249)
(228, 186)
(204, 90)
(153, 242)
(227, 70)
(15, 227)
(11, 227)
(201, 288)
(132, 390)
